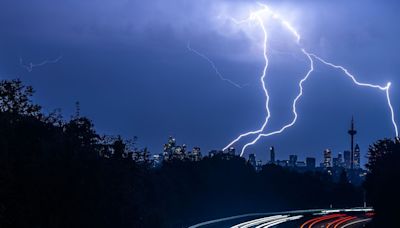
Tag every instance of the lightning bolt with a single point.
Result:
(214, 67)
(294, 105)
(256, 16)
(355, 81)
(29, 67)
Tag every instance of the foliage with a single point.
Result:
(15, 98)
(56, 173)
(382, 188)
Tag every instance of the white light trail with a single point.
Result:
(256, 16)
(226, 219)
(29, 67)
(363, 209)
(356, 222)
(256, 222)
(297, 212)
(279, 221)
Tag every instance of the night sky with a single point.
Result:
(128, 65)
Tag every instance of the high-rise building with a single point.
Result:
(310, 163)
(292, 160)
(356, 158)
(335, 162)
(259, 166)
(352, 132)
(272, 155)
(283, 163)
(338, 161)
(347, 159)
(252, 160)
(301, 164)
(327, 158)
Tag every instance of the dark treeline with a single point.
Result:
(57, 173)
(383, 188)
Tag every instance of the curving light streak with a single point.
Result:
(338, 220)
(296, 212)
(227, 219)
(310, 56)
(279, 221)
(314, 221)
(256, 222)
(350, 218)
(269, 221)
(356, 222)
(29, 67)
(213, 66)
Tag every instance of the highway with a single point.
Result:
(338, 220)
(321, 218)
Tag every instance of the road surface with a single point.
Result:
(322, 218)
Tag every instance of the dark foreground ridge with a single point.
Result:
(58, 173)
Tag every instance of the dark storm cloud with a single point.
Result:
(127, 62)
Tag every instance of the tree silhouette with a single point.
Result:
(381, 183)
(119, 148)
(56, 173)
(15, 98)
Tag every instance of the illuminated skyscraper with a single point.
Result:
(301, 164)
(259, 166)
(327, 158)
(252, 160)
(272, 155)
(338, 161)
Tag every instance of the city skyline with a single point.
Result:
(346, 158)
(144, 81)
